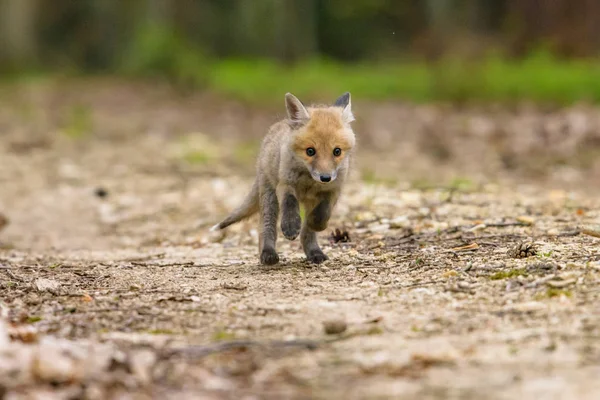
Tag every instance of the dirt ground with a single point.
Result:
(471, 269)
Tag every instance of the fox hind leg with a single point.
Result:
(269, 213)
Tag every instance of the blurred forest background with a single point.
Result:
(414, 49)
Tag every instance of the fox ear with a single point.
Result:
(344, 102)
(296, 110)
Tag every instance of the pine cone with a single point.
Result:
(523, 250)
(339, 236)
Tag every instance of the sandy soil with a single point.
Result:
(467, 274)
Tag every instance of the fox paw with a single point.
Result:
(317, 257)
(291, 227)
(269, 257)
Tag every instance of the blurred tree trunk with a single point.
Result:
(17, 30)
(441, 22)
(107, 17)
(158, 12)
(297, 29)
(567, 28)
(282, 29)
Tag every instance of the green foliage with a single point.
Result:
(554, 292)
(545, 254)
(160, 332)
(222, 335)
(78, 122)
(462, 184)
(253, 80)
(159, 51)
(371, 177)
(513, 273)
(198, 157)
(538, 78)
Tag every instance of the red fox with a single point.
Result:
(303, 159)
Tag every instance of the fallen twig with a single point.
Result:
(591, 232)
(166, 264)
(11, 274)
(505, 224)
(234, 286)
(201, 351)
(417, 284)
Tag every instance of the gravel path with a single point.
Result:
(111, 285)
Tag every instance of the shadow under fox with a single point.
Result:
(304, 159)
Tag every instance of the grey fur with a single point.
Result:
(284, 180)
(249, 207)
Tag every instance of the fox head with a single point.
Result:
(323, 138)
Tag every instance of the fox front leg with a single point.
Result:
(290, 212)
(313, 252)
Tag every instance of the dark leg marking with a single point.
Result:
(319, 216)
(290, 218)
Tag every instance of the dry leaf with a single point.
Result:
(469, 247)
(23, 333)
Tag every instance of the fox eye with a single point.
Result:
(337, 152)
(311, 151)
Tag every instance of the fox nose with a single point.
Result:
(325, 178)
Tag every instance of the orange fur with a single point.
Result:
(324, 132)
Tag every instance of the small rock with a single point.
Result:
(4, 337)
(478, 228)
(334, 326)
(142, 363)
(377, 228)
(52, 364)
(525, 220)
(101, 192)
(47, 285)
(399, 222)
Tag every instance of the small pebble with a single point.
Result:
(101, 192)
(334, 326)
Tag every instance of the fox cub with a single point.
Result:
(304, 159)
